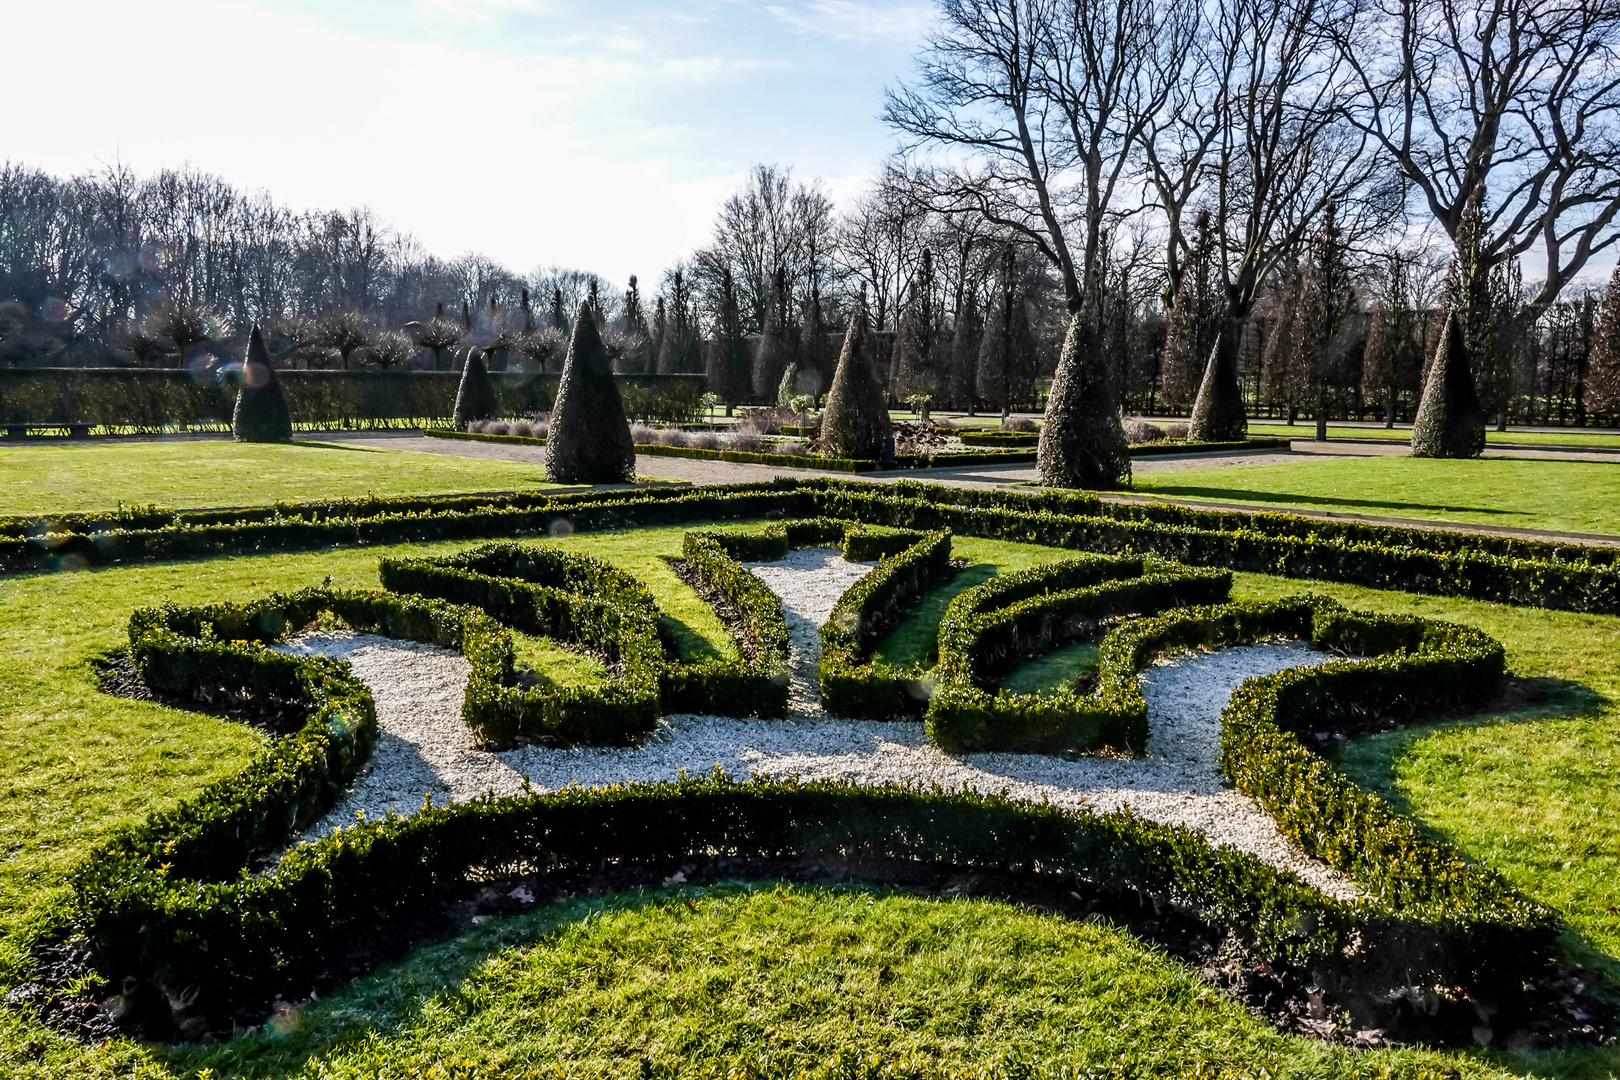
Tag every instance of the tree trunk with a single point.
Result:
(1389, 409)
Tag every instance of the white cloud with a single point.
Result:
(847, 20)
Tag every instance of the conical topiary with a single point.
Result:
(475, 400)
(261, 408)
(1217, 414)
(1450, 421)
(855, 423)
(589, 441)
(1082, 441)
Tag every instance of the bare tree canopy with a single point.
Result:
(1522, 96)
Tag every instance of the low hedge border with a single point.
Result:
(758, 684)
(176, 905)
(1575, 586)
(990, 627)
(478, 436)
(1153, 449)
(869, 609)
(560, 595)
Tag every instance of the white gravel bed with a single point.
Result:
(425, 748)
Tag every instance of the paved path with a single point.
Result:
(996, 476)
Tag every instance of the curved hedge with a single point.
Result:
(991, 627)
(560, 595)
(868, 610)
(181, 906)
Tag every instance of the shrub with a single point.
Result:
(475, 399)
(989, 629)
(1217, 413)
(1175, 431)
(1450, 420)
(1141, 431)
(867, 611)
(589, 439)
(743, 441)
(261, 413)
(758, 686)
(855, 423)
(1082, 443)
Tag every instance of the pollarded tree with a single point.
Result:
(475, 398)
(775, 351)
(438, 335)
(912, 367)
(1083, 443)
(261, 413)
(589, 440)
(1603, 369)
(855, 423)
(1450, 422)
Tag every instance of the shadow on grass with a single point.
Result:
(911, 645)
(1181, 491)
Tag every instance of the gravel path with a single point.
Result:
(425, 748)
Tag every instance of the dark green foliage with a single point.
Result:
(475, 399)
(589, 440)
(1217, 414)
(758, 686)
(1000, 439)
(551, 594)
(867, 611)
(1082, 440)
(1005, 368)
(855, 422)
(1562, 576)
(775, 351)
(261, 413)
(1450, 422)
(729, 370)
(913, 368)
(991, 628)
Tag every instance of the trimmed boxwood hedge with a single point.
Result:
(758, 685)
(555, 594)
(868, 610)
(990, 628)
(180, 906)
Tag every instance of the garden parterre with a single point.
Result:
(154, 569)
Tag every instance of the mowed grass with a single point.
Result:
(186, 473)
(792, 974)
(1564, 496)
(1306, 429)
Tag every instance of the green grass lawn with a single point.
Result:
(709, 977)
(58, 479)
(1306, 429)
(1565, 496)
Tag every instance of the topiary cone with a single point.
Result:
(1082, 443)
(1217, 414)
(589, 440)
(475, 399)
(1450, 420)
(261, 413)
(855, 423)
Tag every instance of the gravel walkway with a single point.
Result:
(425, 748)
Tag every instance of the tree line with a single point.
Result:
(1280, 199)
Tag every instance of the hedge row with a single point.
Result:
(560, 595)
(867, 611)
(1445, 563)
(152, 400)
(758, 684)
(1577, 586)
(1463, 919)
(990, 628)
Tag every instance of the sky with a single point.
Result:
(538, 132)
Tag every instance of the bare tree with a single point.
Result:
(1522, 96)
(773, 223)
(1047, 97)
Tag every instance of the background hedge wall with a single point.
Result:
(140, 400)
